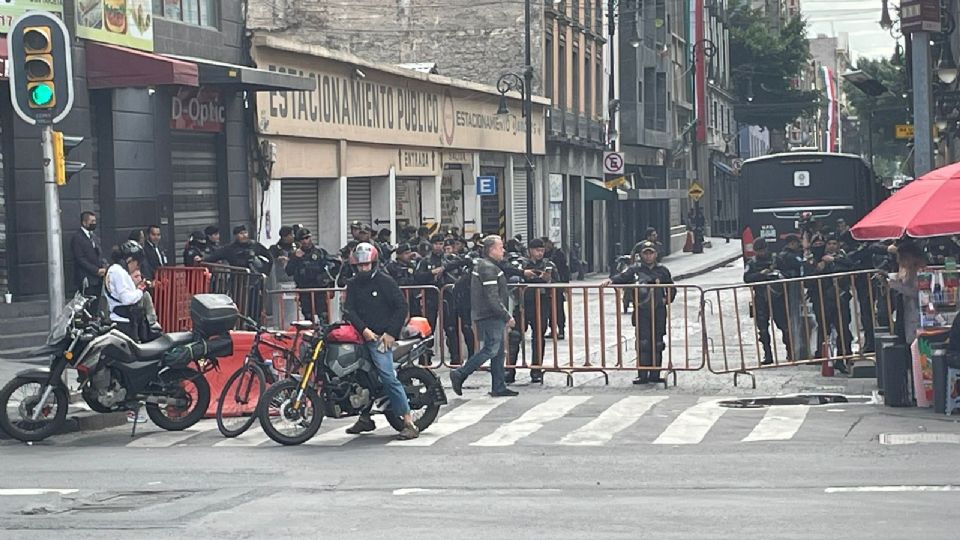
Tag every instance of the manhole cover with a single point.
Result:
(792, 399)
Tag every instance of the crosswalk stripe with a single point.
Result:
(458, 419)
(615, 419)
(340, 437)
(166, 439)
(693, 424)
(254, 436)
(779, 423)
(531, 421)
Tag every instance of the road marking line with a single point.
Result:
(890, 489)
(917, 438)
(456, 420)
(531, 421)
(693, 424)
(780, 423)
(415, 491)
(340, 437)
(615, 419)
(166, 439)
(35, 491)
(254, 436)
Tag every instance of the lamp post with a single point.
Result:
(512, 82)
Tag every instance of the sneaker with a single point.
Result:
(408, 432)
(456, 381)
(139, 417)
(363, 425)
(505, 393)
(536, 377)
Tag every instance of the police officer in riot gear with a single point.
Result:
(650, 312)
(536, 269)
(310, 266)
(430, 272)
(402, 270)
(197, 248)
(831, 299)
(245, 253)
(767, 300)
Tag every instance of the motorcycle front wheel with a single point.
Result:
(189, 396)
(417, 382)
(20, 398)
(282, 420)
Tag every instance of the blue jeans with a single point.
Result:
(383, 363)
(491, 334)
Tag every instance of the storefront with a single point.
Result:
(387, 146)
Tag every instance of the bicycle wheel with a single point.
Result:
(237, 407)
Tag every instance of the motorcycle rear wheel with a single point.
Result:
(281, 421)
(24, 428)
(193, 387)
(417, 382)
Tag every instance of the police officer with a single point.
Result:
(767, 300)
(832, 307)
(282, 250)
(212, 233)
(789, 262)
(536, 269)
(650, 313)
(402, 270)
(461, 306)
(430, 271)
(559, 260)
(197, 248)
(309, 266)
(245, 253)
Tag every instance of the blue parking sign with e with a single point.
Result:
(486, 185)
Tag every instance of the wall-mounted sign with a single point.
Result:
(11, 9)
(412, 161)
(904, 131)
(198, 109)
(920, 16)
(486, 185)
(128, 23)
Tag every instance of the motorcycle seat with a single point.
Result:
(156, 348)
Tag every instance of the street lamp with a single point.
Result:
(946, 67)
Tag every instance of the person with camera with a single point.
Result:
(123, 295)
(831, 297)
(767, 300)
(650, 313)
(536, 270)
(309, 266)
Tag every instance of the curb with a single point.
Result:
(713, 266)
(85, 421)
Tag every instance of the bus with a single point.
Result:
(775, 190)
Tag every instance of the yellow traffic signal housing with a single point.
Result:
(59, 159)
(38, 67)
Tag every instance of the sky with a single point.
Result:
(858, 18)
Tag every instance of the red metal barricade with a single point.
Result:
(174, 286)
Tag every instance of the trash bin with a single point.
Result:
(882, 340)
(896, 367)
(943, 361)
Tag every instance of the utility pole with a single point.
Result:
(528, 112)
(922, 97)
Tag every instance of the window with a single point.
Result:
(562, 79)
(649, 98)
(599, 86)
(587, 15)
(587, 88)
(576, 81)
(198, 12)
(661, 123)
(575, 10)
(548, 86)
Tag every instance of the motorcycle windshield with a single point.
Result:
(62, 325)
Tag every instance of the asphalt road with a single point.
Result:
(591, 461)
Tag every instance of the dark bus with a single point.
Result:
(776, 189)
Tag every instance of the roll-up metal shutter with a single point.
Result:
(359, 201)
(300, 203)
(519, 211)
(194, 171)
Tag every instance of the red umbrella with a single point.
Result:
(929, 206)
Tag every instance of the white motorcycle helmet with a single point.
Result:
(365, 253)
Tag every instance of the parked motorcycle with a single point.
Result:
(115, 374)
(339, 380)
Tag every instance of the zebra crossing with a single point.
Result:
(561, 420)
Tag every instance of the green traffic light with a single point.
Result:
(41, 94)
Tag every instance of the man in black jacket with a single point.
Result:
(767, 300)
(88, 260)
(153, 253)
(650, 313)
(536, 270)
(309, 266)
(245, 253)
(831, 299)
(488, 301)
(376, 308)
(431, 271)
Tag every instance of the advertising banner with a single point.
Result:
(11, 9)
(128, 23)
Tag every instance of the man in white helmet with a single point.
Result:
(376, 308)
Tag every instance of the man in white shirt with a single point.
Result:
(123, 295)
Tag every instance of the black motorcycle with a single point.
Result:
(115, 374)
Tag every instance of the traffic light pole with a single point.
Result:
(54, 234)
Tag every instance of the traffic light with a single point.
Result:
(62, 146)
(41, 74)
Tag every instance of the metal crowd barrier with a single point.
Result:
(174, 287)
(247, 288)
(791, 322)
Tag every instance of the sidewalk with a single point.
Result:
(687, 265)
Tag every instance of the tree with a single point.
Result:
(879, 115)
(764, 62)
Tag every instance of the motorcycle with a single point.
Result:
(339, 380)
(115, 374)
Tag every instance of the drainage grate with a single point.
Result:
(792, 399)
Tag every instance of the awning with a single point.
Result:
(109, 66)
(251, 79)
(594, 190)
(724, 168)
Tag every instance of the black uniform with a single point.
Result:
(312, 271)
(403, 274)
(832, 309)
(461, 308)
(530, 317)
(559, 260)
(195, 249)
(767, 301)
(254, 257)
(650, 322)
(424, 276)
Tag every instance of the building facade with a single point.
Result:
(388, 146)
(161, 108)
